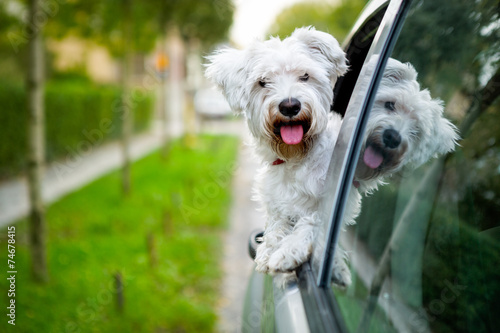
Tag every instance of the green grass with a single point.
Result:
(95, 233)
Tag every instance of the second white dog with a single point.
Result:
(406, 128)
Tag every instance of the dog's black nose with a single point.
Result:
(289, 107)
(391, 138)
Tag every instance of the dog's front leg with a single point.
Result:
(296, 248)
(276, 231)
(264, 251)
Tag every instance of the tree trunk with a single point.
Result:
(36, 139)
(127, 116)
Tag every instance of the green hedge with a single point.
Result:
(78, 116)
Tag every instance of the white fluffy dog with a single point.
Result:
(406, 128)
(285, 89)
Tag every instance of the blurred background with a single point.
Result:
(124, 184)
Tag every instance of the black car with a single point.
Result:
(424, 253)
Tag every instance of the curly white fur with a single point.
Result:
(415, 124)
(304, 67)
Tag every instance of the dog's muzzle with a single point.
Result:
(291, 123)
(384, 151)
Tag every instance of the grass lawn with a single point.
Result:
(164, 240)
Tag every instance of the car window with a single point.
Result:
(356, 47)
(424, 249)
(367, 52)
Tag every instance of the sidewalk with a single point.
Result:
(63, 177)
(244, 218)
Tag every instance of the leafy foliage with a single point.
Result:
(79, 115)
(103, 21)
(205, 21)
(465, 34)
(7, 21)
(336, 20)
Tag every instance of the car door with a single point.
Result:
(424, 252)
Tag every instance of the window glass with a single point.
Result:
(374, 26)
(424, 251)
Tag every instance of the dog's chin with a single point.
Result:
(391, 161)
(287, 151)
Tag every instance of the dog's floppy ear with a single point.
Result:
(444, 132)
(226, 68)
(325, 48)
(396, 71)
(441, 137)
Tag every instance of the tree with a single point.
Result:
(127, 27)
(180, 24)
(124, 28)
(453, 41)
(127, 115)
(462, 49)
(334, 19)
(205, 21)
(454, 44)
(35, 83)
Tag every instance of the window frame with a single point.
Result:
(346, 153)
(322, 311)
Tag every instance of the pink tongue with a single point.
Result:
(372, 158)
(292, 135)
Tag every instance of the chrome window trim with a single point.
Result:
(368, 12)
(289, 308)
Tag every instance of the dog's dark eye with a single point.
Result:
(304, 77)
(390, 106)
(262, 83)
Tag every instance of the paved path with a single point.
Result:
(70, 174)
(238, 266)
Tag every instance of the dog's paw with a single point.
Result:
(261, 266)
(262, 258)
(280, 263)
(341, 275)
(287, 258)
